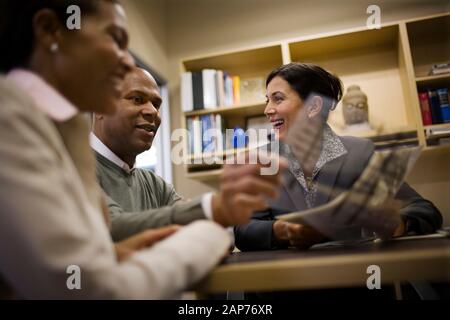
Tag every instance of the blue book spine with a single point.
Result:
(208, 145)
(435, 107)
(443, 102)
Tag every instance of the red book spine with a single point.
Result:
(425, 108)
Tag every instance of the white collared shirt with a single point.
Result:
(102, 149)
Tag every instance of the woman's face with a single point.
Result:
(283, 103)
(91, 63)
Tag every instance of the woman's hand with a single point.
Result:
(142, 240)
(296, 235)
(385, 220)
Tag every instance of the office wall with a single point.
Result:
(201, 27)
(148, 32)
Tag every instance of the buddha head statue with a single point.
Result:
(355, 108)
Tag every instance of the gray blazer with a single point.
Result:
(420, 215)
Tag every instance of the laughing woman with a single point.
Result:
(337, 166)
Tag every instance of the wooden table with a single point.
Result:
(411, 260)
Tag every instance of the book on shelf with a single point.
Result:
(228, 90)
(443, 141)
(236, 90)
(197, 136)
(440, 68)
(433, 132)
(197, 90)
(434, 107)
(206, 134)
(209, 89)
(220, 88)
(425, 109)
(187, 102)
(219, 122)
(190, 137)
(442, 94)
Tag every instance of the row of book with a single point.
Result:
(207, 134)
(434, 105)
(201, 139)
(209, 89)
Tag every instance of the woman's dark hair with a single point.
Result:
(307, 78)
(16, 26)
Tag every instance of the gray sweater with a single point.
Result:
(140, 200)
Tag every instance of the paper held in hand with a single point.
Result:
(378, 183)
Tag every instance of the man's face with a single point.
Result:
(132, 128)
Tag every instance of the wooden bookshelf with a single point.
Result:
(390, 65)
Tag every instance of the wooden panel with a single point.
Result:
(255, 62)
(340, 45)
(430, 43)
(433, 82)
(241, 110)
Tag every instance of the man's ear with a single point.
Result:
(98, 116)
(47, 29)
(315, 105)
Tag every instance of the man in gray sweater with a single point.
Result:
(139, 199)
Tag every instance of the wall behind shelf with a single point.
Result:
(147, 20)
(202, 27)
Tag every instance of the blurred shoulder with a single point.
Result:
(358, 146)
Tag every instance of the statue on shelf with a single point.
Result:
(356, 110)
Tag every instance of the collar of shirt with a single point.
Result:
(332, 148)
(101, 148)
(46, 98)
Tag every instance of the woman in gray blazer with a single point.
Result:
(336, 167)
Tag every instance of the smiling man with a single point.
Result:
(139, 199)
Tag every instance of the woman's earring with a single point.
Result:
(54, 47)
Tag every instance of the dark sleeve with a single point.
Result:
(257, 234)
(420, 215)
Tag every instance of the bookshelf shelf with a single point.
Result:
(433, 78)
(219, 155)
(438, 126)
(205, 175)
(241, 110)
(390, 65)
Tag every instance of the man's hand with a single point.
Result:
(142, 240)
(244, 190)
(296, 235)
